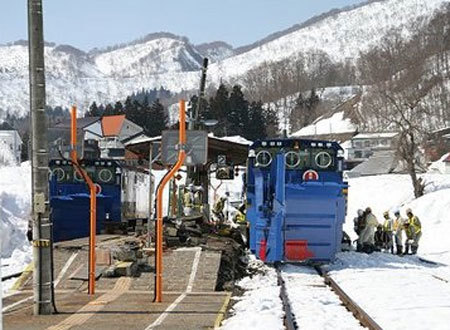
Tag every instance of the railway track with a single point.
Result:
(290, 320)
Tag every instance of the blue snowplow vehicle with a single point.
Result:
(296, 200)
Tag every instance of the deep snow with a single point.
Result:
(15, 195)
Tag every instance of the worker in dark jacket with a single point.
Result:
(359, 226)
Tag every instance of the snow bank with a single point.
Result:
(260, 306)
(387, 193)
(433, 211)
(6, 157)
(397, 292)
(15, 201)
(333, 125)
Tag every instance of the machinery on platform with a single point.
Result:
(122, 196)
(296, 200)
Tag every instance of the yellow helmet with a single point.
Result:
(386, 213)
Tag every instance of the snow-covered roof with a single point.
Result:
(142, 139)
(235, 138)
(446, 136)
(335, 124)
(376, 135)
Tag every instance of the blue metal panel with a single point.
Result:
(290, 218)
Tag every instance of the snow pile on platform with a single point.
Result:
(15, 196)
(333, 125)
(260, 306)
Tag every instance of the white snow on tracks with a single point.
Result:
(313, 303)
(260, 306)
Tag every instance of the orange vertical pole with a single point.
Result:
(92, 204)
(159, 202)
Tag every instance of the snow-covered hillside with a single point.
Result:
(341, 36)
(170, 61)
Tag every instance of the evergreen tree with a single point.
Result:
(118, 108)
(219, 110)
(109, 110)
(158, 120)
(93, 111)
(256, 127)
(237, 116)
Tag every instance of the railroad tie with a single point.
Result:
(89, 310)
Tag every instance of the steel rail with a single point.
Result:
(349, 303)
(289, 318)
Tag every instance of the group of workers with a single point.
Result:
(387, 236)
(192, 200)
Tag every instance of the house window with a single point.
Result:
(357, 144)
(358, 154)
(367, 143)
(367, 154)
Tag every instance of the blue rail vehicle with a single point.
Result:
(69, 197)
(296, 200)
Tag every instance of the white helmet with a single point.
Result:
(360, 212)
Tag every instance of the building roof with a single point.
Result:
(376, 135)
(111, 125)
(236, 151)
(447, 159)
(81, 122)
(381, 162)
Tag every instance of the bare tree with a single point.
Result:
(399, 97)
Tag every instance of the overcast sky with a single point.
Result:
(97, 23)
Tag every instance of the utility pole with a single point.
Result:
(194, 115)
(42, 226)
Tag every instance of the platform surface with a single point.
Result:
(189, 297)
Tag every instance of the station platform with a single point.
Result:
(189, 297)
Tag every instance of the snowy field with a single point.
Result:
(397, 292)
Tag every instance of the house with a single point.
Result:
(380, 162)
(10, 139)
(103, 137)
(364, 145)
(115, 131)
(438, 144)
(442, 165)
(446, 167)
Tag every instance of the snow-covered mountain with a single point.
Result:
(216, 51)
(163, 59)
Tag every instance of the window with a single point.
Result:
(358, 154)
(357, 144)
(367, 143)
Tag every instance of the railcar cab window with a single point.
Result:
(323, 159)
